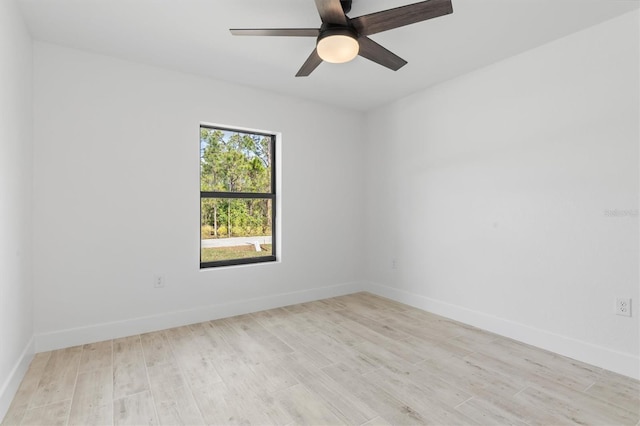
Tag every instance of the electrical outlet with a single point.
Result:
(158, 281)
(623, 306)
(394, 263)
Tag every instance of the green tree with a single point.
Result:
(235, 162)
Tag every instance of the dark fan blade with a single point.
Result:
(374, 52)
(282, 32)
(331, 12)
(310, 64)
(401, 16)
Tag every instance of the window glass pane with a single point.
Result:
(234, 162)
(235, 228)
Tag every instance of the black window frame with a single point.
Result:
(244, 195)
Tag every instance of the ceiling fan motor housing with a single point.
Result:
(346, 5)
(328, 30)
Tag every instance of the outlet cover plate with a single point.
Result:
(158, 281)
(623, 306)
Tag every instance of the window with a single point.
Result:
(237, 197)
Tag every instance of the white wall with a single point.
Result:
(16, 168)
(491, 192)
(117, 198)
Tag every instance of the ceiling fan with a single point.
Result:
(340, 38)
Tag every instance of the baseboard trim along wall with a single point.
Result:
(10, 386)
(622, 363)
(113, 330)
(619, 362)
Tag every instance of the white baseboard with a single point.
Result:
(619, 362)
(10, 386)
(112, 330)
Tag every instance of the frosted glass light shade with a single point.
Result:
(338, 48)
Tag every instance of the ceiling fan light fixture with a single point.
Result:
(341, 38)
(338, 45)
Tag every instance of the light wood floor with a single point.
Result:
(357, 359)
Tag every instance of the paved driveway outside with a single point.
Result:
(234, 241)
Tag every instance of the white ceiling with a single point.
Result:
(193, 36)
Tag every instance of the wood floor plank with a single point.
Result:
(273, 317)
(27, 389)
(179, 336)
(199, 369)
(376, 326)
(515, 408)
(195, 356)
(420, 383)
(476, 379)
(344, 405)
(244, 332)
(14, 415)
(93, 398)
(96, 355)
(129, 369)
(324, 305)
(135, 410)
(59, 377)
(208, 337)
(526, 368)
(360, 303)
(168, 375)
(298, 340)
(273, 374)
(304, 408)
(321, 345)
(236, 376)
(313, 306)
(337, 351)
(425, 326)
(421, 398)
(296, 309)
(366, 303)
(239, 341)
(378, 421)
(214, 406)
(487, 413)
(172, 396)
(574, 406)
(220, 405)
(472, 338)
(156, 348)
(527, 360)
(176, 406)
(53, 414)
(355, 335)
(383, 357)
(380, 302)
(387, 406)
(618, 390)
(437, 349)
